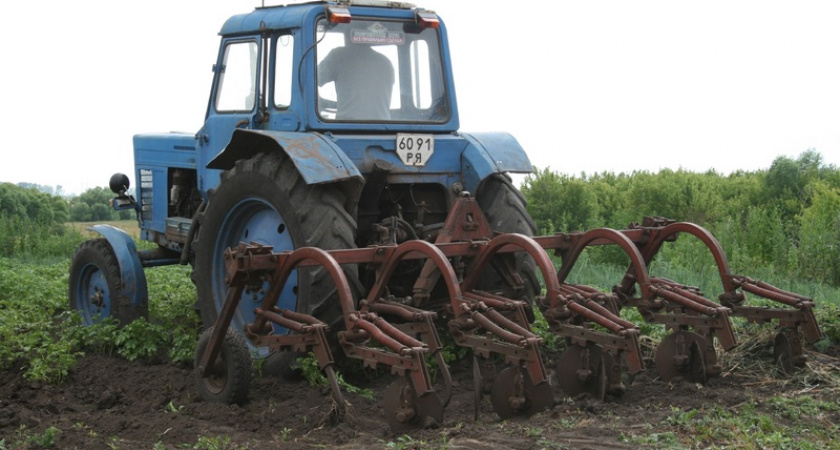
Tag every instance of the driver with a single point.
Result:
(364, 79)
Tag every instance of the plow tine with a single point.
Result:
(383, 336)
(684, 292)
(498, 330)
(398, 335)
(296, 325)
(609, 315)
(771, 292)
(404, 312)
(595, 317)
(508, 324)
(802, 316)
(687, 300)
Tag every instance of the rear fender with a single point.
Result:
(132, 276)
(490, 153)
(316, 157)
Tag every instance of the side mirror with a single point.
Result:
(119, 184)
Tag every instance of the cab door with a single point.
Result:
(233, 102)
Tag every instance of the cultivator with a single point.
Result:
(402, 333)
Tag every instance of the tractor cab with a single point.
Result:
(380, 71)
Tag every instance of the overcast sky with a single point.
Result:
(585, 86)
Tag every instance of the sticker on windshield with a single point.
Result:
(377, 33)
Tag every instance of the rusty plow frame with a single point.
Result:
(402, 333)
(694, 321)
(792, 313)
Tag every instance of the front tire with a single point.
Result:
(229, 378)
(265, 200)
(96, 288)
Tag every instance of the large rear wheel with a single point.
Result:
(504, 208)
(264, 200)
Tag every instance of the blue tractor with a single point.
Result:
(327, 123)
(330, 187)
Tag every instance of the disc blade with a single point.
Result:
(582, 370)
(513, 393)
(680, 354)
(404, 411)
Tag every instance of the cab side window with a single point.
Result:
(283, 69)
(236, 90)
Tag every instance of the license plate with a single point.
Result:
(415, 149)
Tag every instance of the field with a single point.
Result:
(108, 402)
(65, 386)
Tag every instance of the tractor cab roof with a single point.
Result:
(296, 15)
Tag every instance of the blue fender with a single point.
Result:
(490, 153)
(132, 276)
(316, 157)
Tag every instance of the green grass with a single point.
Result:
(778, 423)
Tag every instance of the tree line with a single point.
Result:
(47, 204)
(786, 217)
(33, 218)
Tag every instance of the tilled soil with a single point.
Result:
(108, 402)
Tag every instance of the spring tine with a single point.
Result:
(508, 324)
(381, 337)
(684, 301)
(767, 286)
(395, 333)
(594, 306)
(279, 319)
(296, 316)
(492, 327)
(594, 317)
(772, 293)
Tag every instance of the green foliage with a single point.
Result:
(786, 218)
(312, 373)
(93, 205)
(25, 439)
(39, 334)
(776, 423)
(39, 207)
(559, 202)
(29, 332)
(172, 299)
(819, 246)
(212, 443)
(140, 339)
(32, 223)
(551, 340)
(828, 316)
(788, 181)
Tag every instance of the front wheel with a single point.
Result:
(96, 288)
(228, 378)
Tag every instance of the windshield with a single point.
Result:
(380, 71)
